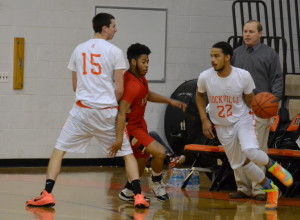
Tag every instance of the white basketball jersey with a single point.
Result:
(94, 61)
(225, 95)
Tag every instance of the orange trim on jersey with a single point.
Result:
(79, 103)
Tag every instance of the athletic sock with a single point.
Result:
(267, 184)
(156, 177)
(136, 186)
(49, 185)
(128, 185)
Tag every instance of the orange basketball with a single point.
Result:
(265, 105)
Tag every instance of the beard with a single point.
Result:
(219, 69)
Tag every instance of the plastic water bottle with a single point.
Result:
(195, 179)
(177, 178)
(189, 184)
(171, 181)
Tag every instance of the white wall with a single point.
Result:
(31, 118)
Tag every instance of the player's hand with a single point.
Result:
(114, 148)
(207, 129)
(178, 104)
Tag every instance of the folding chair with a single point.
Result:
(287, 152)
(220, 174)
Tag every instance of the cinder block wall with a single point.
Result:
(31, 118)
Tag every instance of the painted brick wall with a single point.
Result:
(31, 118)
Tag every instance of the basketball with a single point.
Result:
(265, 105)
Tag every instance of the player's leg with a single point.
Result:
(172, 159)
(132, 172)
(255, 174)
(127, 193)
(263, 130)
(255, 158)
(46, 197)
(156, 184)
(65, 142)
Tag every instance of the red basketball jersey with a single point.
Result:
(136, 93)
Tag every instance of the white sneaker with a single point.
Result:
(128, 196)
(159, 191)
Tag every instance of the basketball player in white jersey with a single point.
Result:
(95, 65)
(230, 92)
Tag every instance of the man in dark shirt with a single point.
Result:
(264, 66)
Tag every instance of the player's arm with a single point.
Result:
(120, 125)
(248, 98)
(154, 97)
(119, 83)
(207, 127)
(74, 80)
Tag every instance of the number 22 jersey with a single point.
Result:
(225, 95)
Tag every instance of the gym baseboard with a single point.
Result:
(42, 162)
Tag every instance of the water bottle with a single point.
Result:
(195, 179)
(171, 181)
(177, 178)
(189, 184)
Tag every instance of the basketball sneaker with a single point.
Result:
(159, 191)
(281, 174)
(128, 196)
(41, 213)
(176, 161)
(140, 201)
(272, 196)
(45, 199)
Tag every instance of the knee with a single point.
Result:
(257, 156)
(160, 153)
(251, 153)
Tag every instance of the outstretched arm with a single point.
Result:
(154, 97)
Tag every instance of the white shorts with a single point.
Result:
(237, 138)
(83, 124)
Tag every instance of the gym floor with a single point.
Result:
(86, 193)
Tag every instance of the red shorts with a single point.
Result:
(139, 140)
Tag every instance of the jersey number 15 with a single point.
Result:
(95, 67)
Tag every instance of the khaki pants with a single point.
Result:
(243, 183)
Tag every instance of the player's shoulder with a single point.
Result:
(206, 72)
(241, 72)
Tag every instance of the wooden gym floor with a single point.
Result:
(88, 193)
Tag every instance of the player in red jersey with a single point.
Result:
(131, 110)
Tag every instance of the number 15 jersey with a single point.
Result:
(94, 61)
(225, 95)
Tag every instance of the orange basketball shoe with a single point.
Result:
(272, 196)
(140, 201)
(45, 199)
(281, 174)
